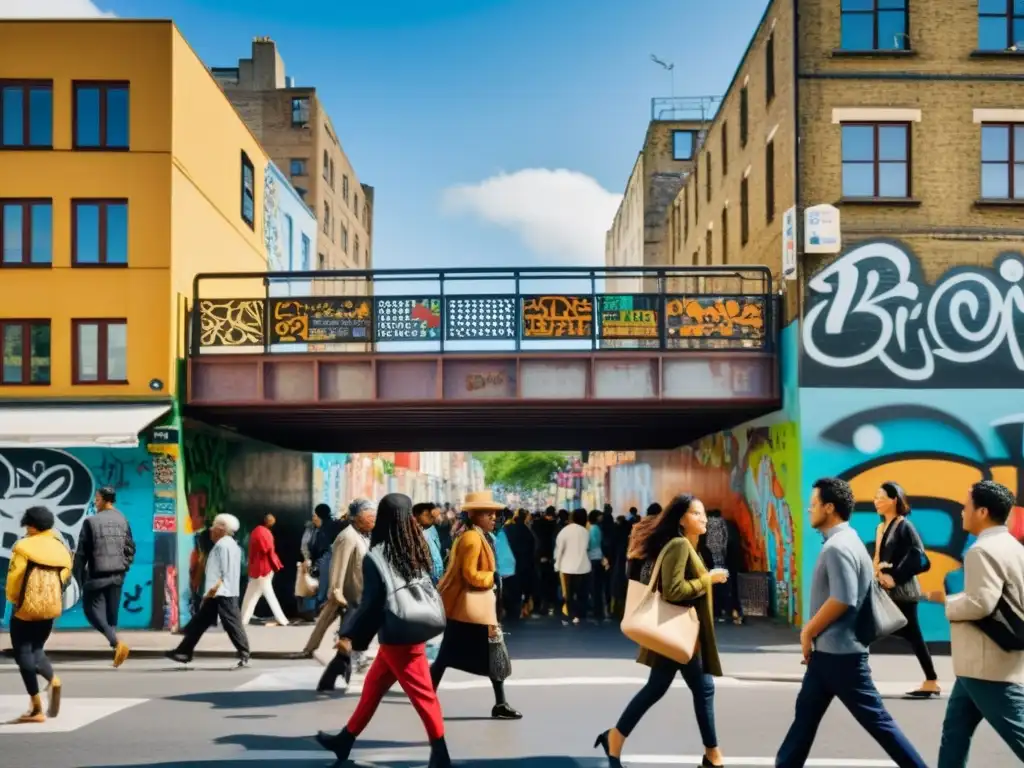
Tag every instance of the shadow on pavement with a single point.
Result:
(247, 699)
(260, 742)
(538, 761)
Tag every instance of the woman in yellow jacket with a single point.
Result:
(470, 587)
(39, 569)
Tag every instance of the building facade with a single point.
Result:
(292, 124)
(901, 346)
(123, 172)
(289, 232)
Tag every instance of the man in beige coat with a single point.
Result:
(989, 676)
(345, 586)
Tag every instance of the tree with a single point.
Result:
(521, 470)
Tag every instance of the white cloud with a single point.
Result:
(557, 213)
(50, 9)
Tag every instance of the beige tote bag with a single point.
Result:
(657, 625)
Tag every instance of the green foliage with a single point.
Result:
(521, 470)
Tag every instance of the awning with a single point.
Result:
(76, 426)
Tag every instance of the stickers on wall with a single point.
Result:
(872, 320)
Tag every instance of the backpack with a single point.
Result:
(42, 595)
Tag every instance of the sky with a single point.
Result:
(495, 132)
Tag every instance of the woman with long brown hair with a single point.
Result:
(683, 580)
(899, 559)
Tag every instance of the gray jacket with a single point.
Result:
(106, 550)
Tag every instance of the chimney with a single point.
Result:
(289, 82)
(267, 65)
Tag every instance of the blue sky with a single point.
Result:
(496, 132)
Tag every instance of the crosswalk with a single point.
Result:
(75, 713)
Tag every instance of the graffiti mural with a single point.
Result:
(206, 469)
(231, 322)
(329, 486)
(740, 319)
(558, 317)
(322, 320)
(630, 485)
(860, 422)
(65, 482)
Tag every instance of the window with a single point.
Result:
(302, 192)
(330, 180)
(725, 235)
(769, 181)
(725, 148)
(709, 240)
(696, 196)
(100, 116)
(707, 172)
(876, 160)
(355, 202)
(327, 219)
(874, 25)
(300, 111)
(327, 166)
(769, 69)
(744, 211)
(344, 239)
(355, 247)
(321, 261)
(1002, 162)
(99, 233)
(305, 251)
(1000, 24)
(26, 232)
(248, 192)
(744, 116)
(686, 213)
(26, 115)
(344, 188)
(297, 166)
(99, 351)
(682, 145)
(26, 351)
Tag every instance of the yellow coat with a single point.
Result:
(470, 567)
(46, 549)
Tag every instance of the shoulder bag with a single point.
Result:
(1005, 625)
(878, 616)
(499, 663)
(413, 611)
(653, 623)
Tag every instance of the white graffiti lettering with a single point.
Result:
(867, 307)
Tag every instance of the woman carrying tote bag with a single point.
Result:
(401, 607)
(663, 550)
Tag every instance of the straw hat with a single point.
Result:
(480, 500)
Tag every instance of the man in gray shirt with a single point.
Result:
(223, 574)
(837, 661)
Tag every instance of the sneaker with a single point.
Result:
(53, 697)
(243, 662)
(121, 652)
(178, 656)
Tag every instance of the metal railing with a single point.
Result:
(700, 109)
(484, 309)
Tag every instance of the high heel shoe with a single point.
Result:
(340, 744)
(705, 763)
(602, 742)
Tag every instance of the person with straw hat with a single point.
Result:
(473, 641)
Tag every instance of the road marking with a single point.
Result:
(74, 714)
(404, 755)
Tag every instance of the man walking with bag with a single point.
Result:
(105, 552)
(837, 660)
(986, 630)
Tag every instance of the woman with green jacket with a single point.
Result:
(684, 580)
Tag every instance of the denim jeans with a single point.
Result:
(972, 700)
(702, 688)
(846, 677)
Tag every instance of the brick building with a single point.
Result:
(296, 131)
(906, 117)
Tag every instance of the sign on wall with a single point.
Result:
(631, 316)
(558, 317)
(822, 230)
(320, 319)
(404, 319)
(873, 321)
(736, 319)
(789, 244)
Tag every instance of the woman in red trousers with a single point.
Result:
(397, 544)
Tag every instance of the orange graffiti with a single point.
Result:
(553, 317)
(716, 317)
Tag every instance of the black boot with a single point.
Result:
(439, 754)
(340, 744)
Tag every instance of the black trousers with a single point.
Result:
(226, 608)
(511, 598)
(576, 594)
(101, 606)
(28, 639)
(598, 588)
(912, 634)
(547, 592)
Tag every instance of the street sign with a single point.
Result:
(822, 232)
(789, 244)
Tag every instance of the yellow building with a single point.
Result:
(124, 171)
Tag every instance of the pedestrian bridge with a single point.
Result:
(483, 358)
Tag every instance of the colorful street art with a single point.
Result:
(66, 481)
(898, 397)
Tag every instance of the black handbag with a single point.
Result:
(413, 611)
(879, 616)
(1005, 625)
(499, 663)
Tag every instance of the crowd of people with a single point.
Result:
(421, 589)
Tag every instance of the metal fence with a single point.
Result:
(474, 309)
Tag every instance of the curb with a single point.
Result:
(148, 653)
(769, 677)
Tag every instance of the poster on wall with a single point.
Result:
(408, 319)
(872, 320)
(321, 319)
(558, 317)
(629, 316)
(716, 321)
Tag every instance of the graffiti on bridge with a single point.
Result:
(322, 320)
(714, 318)
(231, 322)
(558, 317)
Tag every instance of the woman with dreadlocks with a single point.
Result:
(397, 547)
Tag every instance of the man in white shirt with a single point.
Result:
(989, 680)
(223, 576)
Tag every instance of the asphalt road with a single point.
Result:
(570, 683)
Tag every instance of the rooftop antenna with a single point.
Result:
(668, 67)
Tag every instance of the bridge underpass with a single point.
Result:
(483, 359)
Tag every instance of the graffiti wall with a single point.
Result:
(66, 481)
(915, 383)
